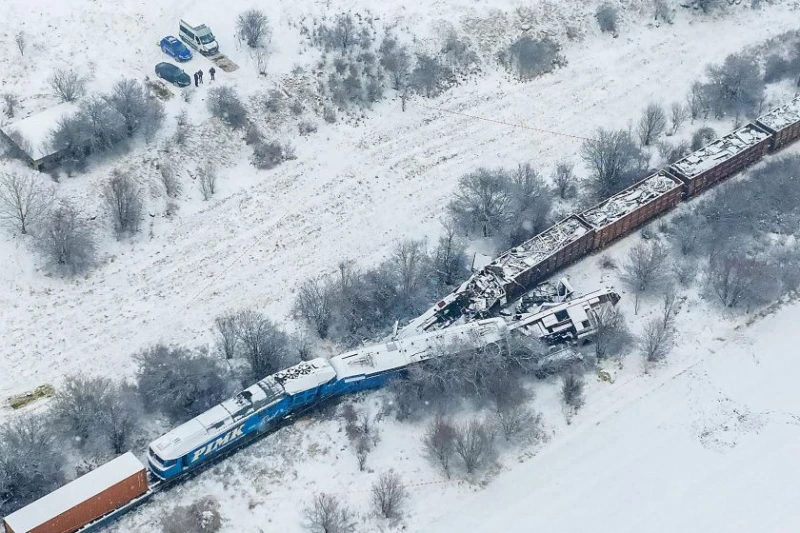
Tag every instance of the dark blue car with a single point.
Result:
(173, 74)
(174, 48)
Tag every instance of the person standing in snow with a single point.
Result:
(200, 75)
(195, 79)
(211, 71)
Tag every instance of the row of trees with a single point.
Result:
(358, 304)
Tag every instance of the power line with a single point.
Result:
(495, 121)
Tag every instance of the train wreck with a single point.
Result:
(509, 276)
(573, 321)
(632, 207)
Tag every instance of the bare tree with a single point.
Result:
(313, 304)
(264, 345)
(252, 27)
(611, 332)
(474, 444)
(168, 176)
(615, 160)
(702, 137)
(183, 129)
(141, 112)
(11, 102)
(326, 514)
(644, 269)
(679, 114)
(227, 334)
(389, 495)
(24, 199)
(413, 268)
(518, 423)
(731, 276)
(122, 418)
(32, 461)
(482, 202)
(655, 341)
(736, 87)
(564, 179)
(449, 258)
(652, 124)
(67, 85)
(124, 200)
(79, 406)
(669, 305)
(66, 240)
(572, 391)
(207, 180)
(180, 383)
(19, 38)
(396, 60)
(528, 58)
(440, 441)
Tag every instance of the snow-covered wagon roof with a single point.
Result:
(782, 117)
(630, 199)
(37, 128)
(85, 487)
(535, 250)
(305, 375)
(720, 150)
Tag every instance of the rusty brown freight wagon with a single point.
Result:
(722, 158)
(84, 500)
(629, 209)
(783, 123)
(525, 265)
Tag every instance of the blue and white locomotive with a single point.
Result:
(261, 406)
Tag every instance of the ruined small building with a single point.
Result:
(29, 139)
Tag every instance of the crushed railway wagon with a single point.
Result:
(722, 158)
(114, 485)
(782, 123)
(631, 208)
(510, 275)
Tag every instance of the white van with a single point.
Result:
(199, 37)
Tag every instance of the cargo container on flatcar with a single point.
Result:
(721, 158)
(782, 123)
(631, 208)
(109, 487)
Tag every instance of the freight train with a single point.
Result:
(516, 271)
(462, 317)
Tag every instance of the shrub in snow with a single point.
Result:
(124, 200)
(607, 18)
(474, 444)
(225, 104)
(702, 137)
(572, 391)
(652, 124)
(24, 199)
(67, 85)
(202, 516)
(528, 58)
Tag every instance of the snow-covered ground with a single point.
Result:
(693, 446)
(352, 193)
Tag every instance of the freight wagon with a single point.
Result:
(631, 208)
(116, 484)
(783, 123)
(721, 158)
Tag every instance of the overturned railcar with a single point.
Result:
(782, 123)
(633, 207)
(722, 158)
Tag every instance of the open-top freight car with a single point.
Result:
(636, 205)
(782, 123)
(721, 158)
(510, 275)
(114, 486)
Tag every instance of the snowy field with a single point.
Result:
(703, 444)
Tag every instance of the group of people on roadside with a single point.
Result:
(198, 76)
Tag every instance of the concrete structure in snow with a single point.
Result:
(29, 138)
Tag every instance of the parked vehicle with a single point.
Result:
(198, 36)
(175, 49)
(173, 74)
